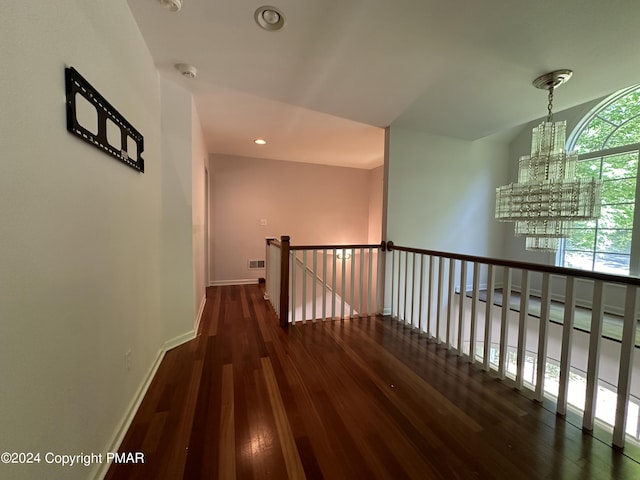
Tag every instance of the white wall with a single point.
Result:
(84, 258)
(199, 160)
(314, 204)
(441, 192)
(376, 183)
(177, 217)
(441, 195)
(184, 156)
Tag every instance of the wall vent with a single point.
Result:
(256, 264)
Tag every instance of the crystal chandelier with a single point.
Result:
(548, 196)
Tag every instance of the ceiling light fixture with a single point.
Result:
(260, 141)
(172, 5)
(186, 70)
(269, 18)
(549, 196)
(343, 254)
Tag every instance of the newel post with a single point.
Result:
(284, 280)
(385, 246)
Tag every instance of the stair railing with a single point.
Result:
(320, 282)
(430, 291)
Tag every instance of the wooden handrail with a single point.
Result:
(336, 247)
(605, 277)
(275, 242)
(278, 243)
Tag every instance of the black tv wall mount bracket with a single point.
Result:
(93, 119)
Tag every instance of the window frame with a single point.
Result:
(634, 254)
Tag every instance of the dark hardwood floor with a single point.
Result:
(357, 399)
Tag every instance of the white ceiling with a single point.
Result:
(321, 89)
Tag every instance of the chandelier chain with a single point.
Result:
(550, 104)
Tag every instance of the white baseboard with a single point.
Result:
(179, 340)
(196, 327)
(246, 281)
(132, 409)
(580, 302)
(125, 423)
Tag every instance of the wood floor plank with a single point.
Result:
(308, 426)
(203, 457)
(289, 450)
(262, 448)
(178, 455)
(227, 467)
(153, 432)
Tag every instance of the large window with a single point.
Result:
(608, 142)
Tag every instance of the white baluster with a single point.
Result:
(626, 364)
(474, 312)
(361, 302)
(353, 279)
(304, 287)
(324, 285)
(488, 318)
(370, 298)
(413, 288)
(440, 294)
(421, 300)
(399, 318)
(334, 285)
(430, 297)
(452, 276)
(543, 333)
(314, 263)
(595, 340)
(522, 329)
(504, 322)
(392, 276)
(294, 268)
(567, 344)
(344, 285)
(463, 294)
(406, 285)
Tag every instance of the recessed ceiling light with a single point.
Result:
(186, 70)
(269, 18)
(172, 5)
(260, 141)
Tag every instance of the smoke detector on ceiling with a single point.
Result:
(172, 5)
(186, 70)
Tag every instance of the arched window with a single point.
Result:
(608, 142)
